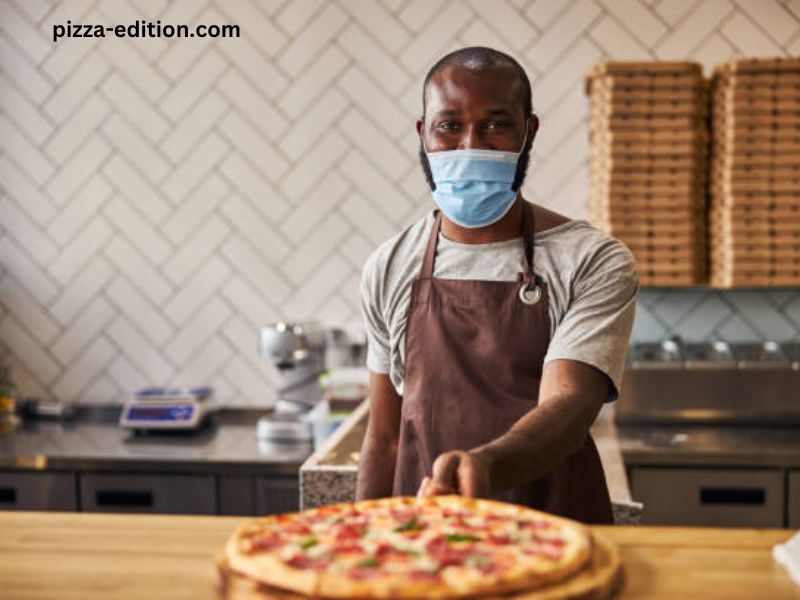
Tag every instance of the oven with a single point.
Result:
(710, 432)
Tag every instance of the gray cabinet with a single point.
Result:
(277, 495)
(202, 494)
(236, 495)
(37, 491)
(793, 498)
(240, 495)
(187, 494)
(710, 497)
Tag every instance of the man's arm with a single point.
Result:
(379, 450)
(571, 394)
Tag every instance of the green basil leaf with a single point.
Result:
(410, 525)
(462, 537)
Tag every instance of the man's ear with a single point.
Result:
(533, 127)
(420, 125)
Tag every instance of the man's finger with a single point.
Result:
(430, 488)
(467, 480)
(445, 469)
(424, 487)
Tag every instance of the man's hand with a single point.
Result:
(458, 472)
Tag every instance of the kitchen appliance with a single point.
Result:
(709, 432)
(297, 351)
(159, 408)
(711, 382)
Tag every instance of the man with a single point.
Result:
(496, 328)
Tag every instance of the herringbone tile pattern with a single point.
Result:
(161, 199)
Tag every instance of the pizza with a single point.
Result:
(404, 547)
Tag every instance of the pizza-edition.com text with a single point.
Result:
(143, 29)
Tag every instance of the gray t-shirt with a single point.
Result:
(591, 278)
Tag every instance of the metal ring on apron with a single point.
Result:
(530, 296)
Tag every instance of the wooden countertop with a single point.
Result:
(91, 556)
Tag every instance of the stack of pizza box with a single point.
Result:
(648, 130)
(754, 219)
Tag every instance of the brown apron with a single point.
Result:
(474, 352)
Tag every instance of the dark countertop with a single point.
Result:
(93, 441)
(710, 446)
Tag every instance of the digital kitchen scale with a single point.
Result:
(167, 408)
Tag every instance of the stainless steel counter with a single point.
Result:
(710, 446)
(94, 442)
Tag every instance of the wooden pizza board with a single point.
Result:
(598, 580)
(621, 188)
(677, 150)
(774, 212)
(623, 122)
(674, 148)
(633, 230)
(604, 202)
(668, 270)
(764, 179)
(732, 138)
(695, 135)
(725, 187)
(758, 66)
(680, 96)
(762, 120)
(762, 170)
(747, 94)
(644, 81)
(678, 163)
(674, 281)
(637, 68)
(745, 108)
(756, 79)
(746, 155)
(645, 172)
(753, 148)
(604, 110)
(764, 254)
(641, 215)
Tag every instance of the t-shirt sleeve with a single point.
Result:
(597, 325)
(378, 348)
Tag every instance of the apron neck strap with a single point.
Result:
(528, 227)
(430, 250)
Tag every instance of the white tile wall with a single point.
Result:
(161, 199)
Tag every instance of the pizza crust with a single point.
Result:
(524, 572)
(268, 568)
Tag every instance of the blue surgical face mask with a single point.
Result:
(473, 186)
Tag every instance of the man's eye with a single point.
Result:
(447, 125)
(497, 124)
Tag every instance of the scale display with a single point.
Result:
(167, 409)
(161, 413)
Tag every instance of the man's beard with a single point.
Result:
(519, 176)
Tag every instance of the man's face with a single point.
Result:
(475, 109)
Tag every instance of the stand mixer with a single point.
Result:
(298, 352)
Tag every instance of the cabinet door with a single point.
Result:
(710, 497)
(277, 495)
(37, 491)
(187, 494)
(236, 495)
(794, 499)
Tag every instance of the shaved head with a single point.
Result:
(478, 59)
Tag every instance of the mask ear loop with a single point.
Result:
(524, 141)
